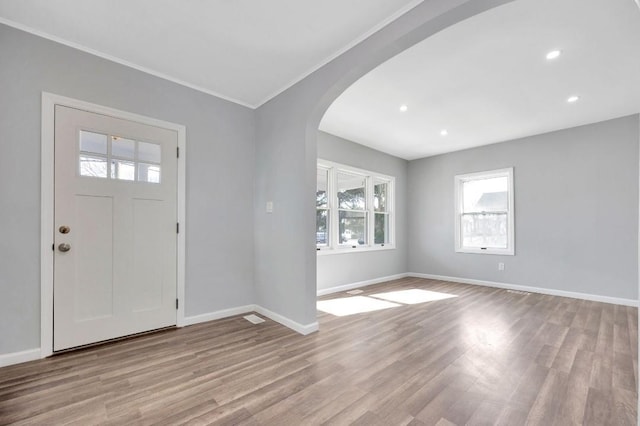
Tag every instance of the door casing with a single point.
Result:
(49, 101)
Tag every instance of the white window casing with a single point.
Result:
(331, 242)
(480, 213)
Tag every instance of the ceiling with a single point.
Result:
(487, 80)
(484, 80)
(246, 51)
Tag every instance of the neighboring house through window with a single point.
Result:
(484, 221)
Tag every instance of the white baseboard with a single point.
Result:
(289, 323)
(541, 290)
(303, 329)
(34, 354)
(19, 357)
(359, 284)
(211, 316)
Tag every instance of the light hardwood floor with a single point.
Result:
(487, 356)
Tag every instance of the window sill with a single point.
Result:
(345, 250)
(503, 252)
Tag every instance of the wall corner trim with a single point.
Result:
(19, 357)
(540, 290)
(346, 287)
(303, 329)
(212, 316)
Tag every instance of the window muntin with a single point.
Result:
(114, 157)
(353, 208)
(149, 152)
(123, 148)
(95, 143)
(484, 212)
(352, 191)
(148, 173)
(123, 170)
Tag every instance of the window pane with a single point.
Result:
(93, 142)
(321, 188)
(150, 152)
(121, 147)
(380, 196)
(351, 192)
(485, 195)
(381, 230)
(148, 173)
(93, 166)
(352, 228)
(123, 170)
(322, 227)
(484, 230)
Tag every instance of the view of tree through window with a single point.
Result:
(353, 207)
(322, 207)
(352, 204)
(381, 222)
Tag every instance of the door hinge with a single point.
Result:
(177, 227)
(176, 303)
(178, 152)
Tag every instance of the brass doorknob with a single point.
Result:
(64, 229)
(64, 247)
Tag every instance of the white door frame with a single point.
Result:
(49, 101)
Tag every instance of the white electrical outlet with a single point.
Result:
(269, 206)
(500, 266)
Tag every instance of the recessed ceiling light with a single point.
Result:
(553, 54)
(404, 108)
(572, 99)
(444, 132)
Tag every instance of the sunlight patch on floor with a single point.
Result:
(359, 304)
(413, 296)
(353, 305)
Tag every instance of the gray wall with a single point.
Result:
(340, 269)
(576, 211)
(237, 160)
(220, 175)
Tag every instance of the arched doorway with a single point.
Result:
(286, 129)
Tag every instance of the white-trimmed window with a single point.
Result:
(323, 218)
(484, 212)
(354, 209)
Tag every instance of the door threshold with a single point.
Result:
(114, 340)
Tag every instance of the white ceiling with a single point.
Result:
(487, 80)
(246, 51)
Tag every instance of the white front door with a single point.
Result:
(115, 227)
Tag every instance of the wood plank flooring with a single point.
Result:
(485, 357)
